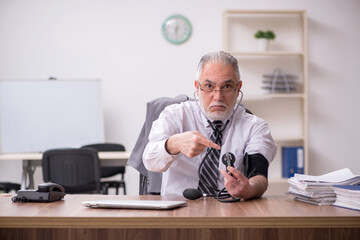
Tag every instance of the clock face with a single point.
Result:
(176, 29)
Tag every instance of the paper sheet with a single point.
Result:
(332, 177)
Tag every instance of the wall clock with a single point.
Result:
(176, 29)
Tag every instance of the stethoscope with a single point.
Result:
(208, 120)
(222, 195)
(197, 100)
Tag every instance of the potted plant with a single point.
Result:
(263, 39)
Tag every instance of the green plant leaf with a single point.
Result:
(259, 34)
(268, 34)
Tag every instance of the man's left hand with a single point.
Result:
(239, 186)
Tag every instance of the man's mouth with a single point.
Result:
(217, 108)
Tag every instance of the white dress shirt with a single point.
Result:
(245, 133)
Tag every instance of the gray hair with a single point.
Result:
(219, 57)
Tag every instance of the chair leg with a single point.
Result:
(105, 189)
(124, 186)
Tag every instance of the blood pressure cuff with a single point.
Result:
(255, 164)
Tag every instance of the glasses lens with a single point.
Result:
(207, 87)
(226, 88)
(229, 87)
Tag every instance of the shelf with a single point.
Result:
(235, 13)
(267, 96)
(267, 54)
(285, 113)
(283, 139)
(289, 27)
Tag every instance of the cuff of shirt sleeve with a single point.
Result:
(157, 158)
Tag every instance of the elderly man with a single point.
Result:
(188, 140)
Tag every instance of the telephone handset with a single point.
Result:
(46, 192)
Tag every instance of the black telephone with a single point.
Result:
(46, 192)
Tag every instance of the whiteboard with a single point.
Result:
(40, 115)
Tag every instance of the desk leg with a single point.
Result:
(31, 171)
(25, 164)
(28, 172)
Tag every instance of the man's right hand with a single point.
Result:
(191, 144)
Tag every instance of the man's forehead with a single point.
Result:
(222, 82)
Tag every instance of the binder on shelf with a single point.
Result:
(292, 161)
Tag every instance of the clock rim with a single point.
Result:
(188, 34)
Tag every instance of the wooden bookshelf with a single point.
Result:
(286, 113)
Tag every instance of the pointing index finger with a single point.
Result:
(211, 144)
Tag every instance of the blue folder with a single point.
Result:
(292, 161)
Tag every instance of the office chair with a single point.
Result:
(8, 186)
(150, 182)
(110, 171)
(77, 170)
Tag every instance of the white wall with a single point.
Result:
(121, 43)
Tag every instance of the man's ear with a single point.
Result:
(240, 85)
(239, 88)
(196, 83)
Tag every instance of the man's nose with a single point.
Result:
(218, 94)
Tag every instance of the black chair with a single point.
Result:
(9, 186)
(77, 170)
(110, 171)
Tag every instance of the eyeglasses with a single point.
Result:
(226, 88)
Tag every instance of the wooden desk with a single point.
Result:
(32, 160)
(275, 217)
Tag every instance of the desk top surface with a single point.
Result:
(264, 212)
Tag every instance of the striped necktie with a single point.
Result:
(210, 169)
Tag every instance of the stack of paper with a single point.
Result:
(347, 196)
(318, 189)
